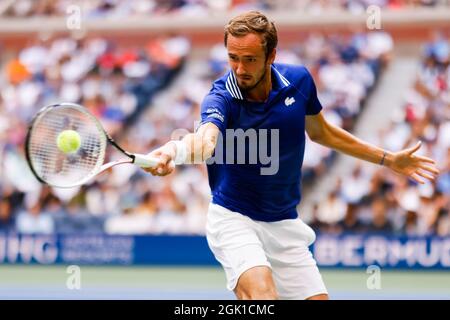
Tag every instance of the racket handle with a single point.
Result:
(145, 161)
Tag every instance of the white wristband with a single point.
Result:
(181, 152)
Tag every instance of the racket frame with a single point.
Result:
(139, 159)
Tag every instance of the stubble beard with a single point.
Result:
(249, 88)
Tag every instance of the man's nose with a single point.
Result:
(240, 69)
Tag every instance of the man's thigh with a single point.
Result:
(234, 243)
(298, 282)
(294, 268)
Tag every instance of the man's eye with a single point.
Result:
(251, 59)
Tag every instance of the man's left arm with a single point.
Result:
(403, 162)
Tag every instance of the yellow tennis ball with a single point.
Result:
(68, 141)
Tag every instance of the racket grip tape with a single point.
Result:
(145, 161)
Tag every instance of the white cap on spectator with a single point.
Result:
(378, 43)
(426, 190)
(179, 46)
(22, 7)
(136, 69)
(97, 47)
(34, 58)
(444, 135)
(219, 53)
(395, 139)
(409, 200)
(28, 94)
(287, 56)
(77, 67)
(62, 47)
(4, 124)
(70, 92)
(90, 88)
(127, 103)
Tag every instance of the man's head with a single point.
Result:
(250, 39)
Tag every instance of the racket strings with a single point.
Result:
(65, 169)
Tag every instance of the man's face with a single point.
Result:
(247, 59)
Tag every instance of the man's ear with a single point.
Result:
(271, 56)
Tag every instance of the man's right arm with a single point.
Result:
(196, 148)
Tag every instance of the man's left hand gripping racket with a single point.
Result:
(59, 168)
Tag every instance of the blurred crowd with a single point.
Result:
(125, 8)
(373, 199)
(118, 85)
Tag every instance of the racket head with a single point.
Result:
(52, 166)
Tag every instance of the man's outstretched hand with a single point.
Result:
(165, 154)
(405, 162)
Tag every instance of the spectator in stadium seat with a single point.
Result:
(380, 222)
(331, 211)
(6, 217)
(442, 226)
(34, 220)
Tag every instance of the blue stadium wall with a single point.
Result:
(346, 250)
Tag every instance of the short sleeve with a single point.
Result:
(314, 106)
(214, 109)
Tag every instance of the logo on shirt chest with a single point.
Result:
(288, 101)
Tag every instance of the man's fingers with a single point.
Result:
(165, 163)
(416, 178)
(163, 173)
(425, 175)
(165, 159)
(149, 170)
(415, 148)
(425, 159)
(154, 171)
(431, 169)
(162, 169)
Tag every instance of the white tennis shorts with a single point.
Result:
(240, 243)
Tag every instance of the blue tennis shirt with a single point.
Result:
(243, 180)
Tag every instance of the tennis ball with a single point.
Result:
(68, 141)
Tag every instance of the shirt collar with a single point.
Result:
(282, 81)
(233, 88)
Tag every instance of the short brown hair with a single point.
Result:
(253, 22)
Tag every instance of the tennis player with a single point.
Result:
(253, 227)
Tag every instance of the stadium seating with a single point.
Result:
(379, 201)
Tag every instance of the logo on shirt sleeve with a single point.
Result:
(214, 113)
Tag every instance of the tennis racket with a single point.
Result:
(56, 168)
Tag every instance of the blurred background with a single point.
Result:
(143, 67)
